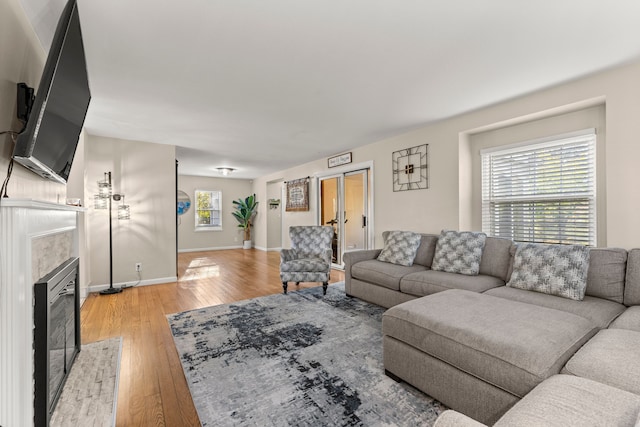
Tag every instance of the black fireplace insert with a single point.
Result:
(56, 335)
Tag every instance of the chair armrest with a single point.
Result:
(288, 255)
(451, 418)
(327, 256)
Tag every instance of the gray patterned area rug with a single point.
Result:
(89, 395)
(301, 359)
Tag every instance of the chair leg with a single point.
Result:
(284, 286)
(324, 288)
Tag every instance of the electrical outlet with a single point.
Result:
(138, 266)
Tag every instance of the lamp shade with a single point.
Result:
(124, 212)
(100, 202)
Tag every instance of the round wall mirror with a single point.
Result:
(184, 202)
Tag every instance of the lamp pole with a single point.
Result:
(111, 290)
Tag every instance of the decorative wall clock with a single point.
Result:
(410, 168)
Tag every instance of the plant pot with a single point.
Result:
(246, 244)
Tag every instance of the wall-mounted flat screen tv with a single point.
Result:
(48, 143)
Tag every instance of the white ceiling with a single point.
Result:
(265, 85)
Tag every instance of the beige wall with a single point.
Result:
(231, 236)
(593, 117)
(145, 174)
(448, 203)
(274, 216)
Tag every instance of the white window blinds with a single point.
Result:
(542, 192)
(208, 209)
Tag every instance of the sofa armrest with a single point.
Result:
(451, 418)
(351, 258)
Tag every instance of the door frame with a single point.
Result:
(341, 170)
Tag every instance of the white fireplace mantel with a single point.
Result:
(24, 222)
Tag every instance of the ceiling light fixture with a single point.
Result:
(225, 171)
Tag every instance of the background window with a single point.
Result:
(541, 192)
(208, 209)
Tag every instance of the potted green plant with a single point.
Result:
(245, 212)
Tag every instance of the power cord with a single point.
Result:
(131, 286)
(5, 184)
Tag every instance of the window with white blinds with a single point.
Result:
(542, 192)
(208, 210)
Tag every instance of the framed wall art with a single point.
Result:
(297, 195)
(410, 168)
(339, 160)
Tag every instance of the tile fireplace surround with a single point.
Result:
(35, 238)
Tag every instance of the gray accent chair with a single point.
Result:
(309, 259)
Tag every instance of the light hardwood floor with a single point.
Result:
(153, 390)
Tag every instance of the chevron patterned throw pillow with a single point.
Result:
(459, 252)
(559, 270)
(400, 248)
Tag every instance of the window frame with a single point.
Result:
(208, 227)
(528, 204)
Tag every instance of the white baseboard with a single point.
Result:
(217, 248)
(160, 280)
(263, 249)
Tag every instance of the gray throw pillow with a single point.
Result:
(459, 252)
(559, 270)
(400, 248)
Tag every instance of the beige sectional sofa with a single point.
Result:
(495, 353)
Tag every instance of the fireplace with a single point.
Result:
(56, 335)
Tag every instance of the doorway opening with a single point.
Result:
(345, 204)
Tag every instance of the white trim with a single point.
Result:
(263, 249)
(132, 283)
(351, 167)
(216, 248)
(201, 228)
(115, 392)
(38, 204)
(557, 139)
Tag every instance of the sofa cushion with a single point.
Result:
(566, 401)
(599, 311)
(611, 357)
(632, 283)
(496, 257)
(424, 254)
(630, 319)
(607, 268)
(429, 282)
(512, 345)
(459, 252)
(559, 270)
(382, 273)
(400, 248)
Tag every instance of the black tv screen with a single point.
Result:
(48, 143)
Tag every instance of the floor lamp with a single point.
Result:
(103, 200)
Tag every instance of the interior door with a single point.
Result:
(330, 208)
(344, 204)
(355, 211)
